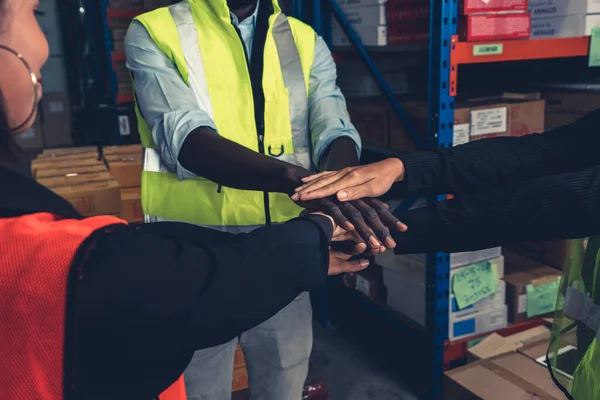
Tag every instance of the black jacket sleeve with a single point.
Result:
(491, 163)
(552, 207)
(149, 296)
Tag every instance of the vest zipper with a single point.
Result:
(259, 117)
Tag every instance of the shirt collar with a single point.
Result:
(250, 20)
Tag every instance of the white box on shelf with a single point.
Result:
(591, 21)
(371, 35)
(404, 278)
(558, 27)
(593, 6)
(481, 322)
(496, 300)
(365, 16)
(556, 8)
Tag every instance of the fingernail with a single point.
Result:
(295, 196)
(364, 263)
(342, 195)
(389, 242)
(401, 227)
(349, 226)
(374, 242)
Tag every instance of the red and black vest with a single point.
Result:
(37, 252)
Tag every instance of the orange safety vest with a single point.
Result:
(36, 254)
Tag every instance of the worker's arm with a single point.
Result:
(552, 207)
(147, 297)
(490, 163)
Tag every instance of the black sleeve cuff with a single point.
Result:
(419, 170)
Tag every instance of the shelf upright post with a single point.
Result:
(110, 106)
(440, 134)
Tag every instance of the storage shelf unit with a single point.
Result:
(446, 54)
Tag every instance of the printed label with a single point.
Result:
(124, 127)
(462, 134)
(489, 121)
(488, 49)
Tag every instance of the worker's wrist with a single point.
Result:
(292, 178)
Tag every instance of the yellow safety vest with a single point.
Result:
(576, 329)
(198, 36)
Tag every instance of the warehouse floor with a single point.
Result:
(350, 372)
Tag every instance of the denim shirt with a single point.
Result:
(172, 112)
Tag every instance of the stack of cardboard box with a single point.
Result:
(384, 22)
(494, 20)
(405, 280)
(505, 115)
(95, 184)
(557, 18)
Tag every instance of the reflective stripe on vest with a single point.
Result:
(219, 88)
(575, 336)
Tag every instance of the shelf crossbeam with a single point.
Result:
(512, 50)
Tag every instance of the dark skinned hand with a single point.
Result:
(371, 219)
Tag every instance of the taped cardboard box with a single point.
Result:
(508, 376)
(92, 198)
(70, 170)
(134, 149)
(564, 108)
(74, 178)
(37, 167)
(131, 205)
(126, 169)
(495, 344)
(516, 290)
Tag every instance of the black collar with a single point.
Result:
(20, 195)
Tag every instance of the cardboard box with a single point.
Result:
(564, 108)
(74, 178)
(508, 376)
(552, 253)
(496, 300)
(556, 8)
(239, 361)
(535, 350)
(495, 344)
(478, 323)
(558, 27)
(492, 346)
(404, 277)
(135, 149)
(516, 290)
(126, 169)
(591, 21)
(371, 35)
(462, 126)
(479, 6)
(402, 13)
(131, 205)
(364, 16)
(484, 27)
(401, 38)
(68, 150)
(496, 117)
(92, 198)
(79, 164)
(56, 119)
(69, 170)
(240, 379)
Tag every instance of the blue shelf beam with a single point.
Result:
(375, 73)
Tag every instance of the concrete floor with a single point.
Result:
(350, 372)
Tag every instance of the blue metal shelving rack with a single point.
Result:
(440, 134)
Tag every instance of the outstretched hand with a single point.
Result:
(370, 219)
(352, 183)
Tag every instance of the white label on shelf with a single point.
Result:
(124, 127)
(362, 285)
(489, 121)
(522, 304)
(56, 106)
(28, 134)
(462, 134)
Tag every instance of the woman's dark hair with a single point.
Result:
(9, 151)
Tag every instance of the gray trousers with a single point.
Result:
(277, 354)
